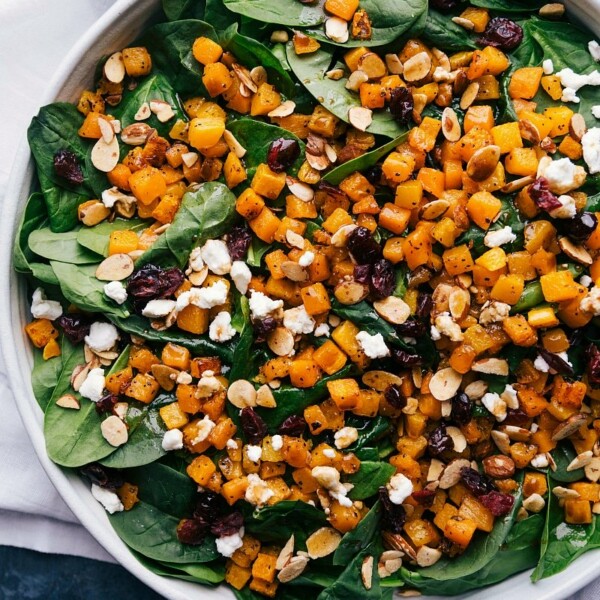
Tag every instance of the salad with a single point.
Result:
(315, 293)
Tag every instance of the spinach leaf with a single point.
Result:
(369, 478)
(34, 217)
(61, 247)
(369, 430)
(61, 204)
(153, 533)
(205, 213)
(510, 6)
(359, 538)
(243, 364)
(593, 203)
(292, 400)
(218, 15)
(257, 250)
(79, 285)
(563, 455)
(361, 163)
(44, 377)
(175, 10)
(96, 238)
(205, 573)
(73, 437)
(282, 12)
(442, 32)
(310, 70)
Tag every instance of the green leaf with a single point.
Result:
(370, 431)
(211, 573)
(369, 478)
(205, 213)
(96, 238)
(510, 6)
(34, 217)
(563, 456)
(242, 365)
(310, 70)
(442, 32)
(362, 163)
(175, 10)
(359, 538)
(61, 247)
(45, 377)
(282, 12)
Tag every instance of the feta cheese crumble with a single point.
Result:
(241, 275)
(541, 365)
(329, 452)
(596, 111)
(298, 321)
(157, 309)
(220, 329)
(567, 210)
(116, 291)
(216, 257)
(322, 330)
(591, 303)
(594, 50)
(446, 325)
(548, 66)
(306, 259)
(172, 440)
(228, 544)
(345, 437)
(42, 308)
(495, 405)
(109, 500)
(493, 312)
(499, 237)
(329, 478)
(93, 386)
(399, 488)
(373, 345)
(254, 453)
(509, 395)
(562, 174)
(591, 149)
(262, 306)
(575, 81)
(102, 336)
(258, 492)
(277, 443)
(203, 430)
(586, 281)
(195, 261)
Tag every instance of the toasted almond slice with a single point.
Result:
(294, 271)
(434, 209)
(458, 438)
(469, 95)
(331, 153)
(259, 75)
(265, 398)
(115, 268)
(575, 251)
(301, 190)
(360, 117)
(318, 163)
(68, 401)
(427, 556)
(577, 125)
(143, 112)
(452, 473)
(464, 23)
(295, 239)
(286, 554)
(136, 134)
(197, 278)
(392, 309)
(106, 129)
(281, 341)
(285, 109)
(592, 469)
(394, 541)
(517, 434)
(351, 292)
(502, 441)
(445, 383)
(79, 375)
(336, 29)
(244, 76)
(105, 156)
(517, 184)
(335, 74)
(442, 59)
(234, 144)
(417, 67)
(450, 125)
(166, 376)
(114, 431)
(366, 571)
(581, 460)
(380, 380)
(394, 64)
(553, 10)
(190, 158)
(241, 394)
(293, 569)
(280, 36)
(323, 542)
(356, 79)
(459, 303)
(340, 237)
(114, 68)
(436, 467)
(491, 366)
(563, 493)
(569, 427)
(483, 162)
(163, 110)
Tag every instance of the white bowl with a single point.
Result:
(118, 27)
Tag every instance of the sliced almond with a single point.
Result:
(563, 493)
(336, 29)
(323, 542)
(417, 67)
(241, 394)
(394, 541)
(356, 79)
(491, 366)
(319, 163)
(366, 571)
(577, 125)
(392, 309)
(281, 341)
(529, 132)
(351, 292)
(394, 64)
(301, 190)
(575, 251)
(436, 467)
(280, 36)
(458, 438)
(517, 184)
(469, 95)
(534, 503)
(285, 109)
(517, 434)
(294, 239)
(331, 153)
(163, 110)
(380, 380)
(360, 117)
(335, 74)
(265, 398)
(445, 383)
(259, 75)
(450, 125)
(453, 472)
(581, 460)
(190, 158)
(459, 303)
(68, 401)
(419, 103)
(502, 441)
(197, 278)
(79, 375)
(483, 162)
(114, 68)
(434, 209)
(105, 156)
(143, 112)
(233, 144)
(426, 556)
(464, 23)
(115, 268)
(340, 237)
(592, 469)
(442, 59)
(106, 129)
(166, 376)
(114, 431)
(294, 271)
(244, 76)
(136, 134)
(553, 10)
(285, 555)
(569, 427)
(293, 569)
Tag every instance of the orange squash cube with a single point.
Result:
(344, 9)
(267, 183)
(217, 79)
(483, 208)
(330, 358)
(206, 51)
(40, 332)
(304, 373)
(315, 299)
(147, 184)
(458, 260)
(409, 194)
(266, 99)
(173, 416)
(397, 167)
(249, 204)
(525, 82)
(508, 288)
(345, 393)
(507, 137)
(460, 531)
(201, 470)
(193, 319)
(143, 388)
(265, 225)
(558, 286)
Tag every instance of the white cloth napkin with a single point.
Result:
(34, 36)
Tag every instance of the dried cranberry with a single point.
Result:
(443, 4)
(363, 247)
(382, 279)
(262, 327)
(401, 104)
(424, 305)
(75, 327)
(593, 364)
(581, 226)
(152, 282)
(406, 359)
(393, 516)
(498, 503)
(253, 425)
(462, 409)
(501, 33)
(555, 362)
(411, 328)
(209, 506)
(282, 154)
(540, 193)
(67, 166)
(227, 525)
(362, 273)
(238, 242)
(192, 531)
(373, 174)
(106, 404)
(394, 397)
(516, 416)
(293, 426)
(105, 477)
(439, 441)
(477, 483)
(424, 497)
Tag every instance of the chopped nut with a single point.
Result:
(280, 36)
(476, 390)
(301, 190)
(115, 268)
(360, 117)
(335, 74)
(581, 460)
(294, 239)
(285, 109)
(436, 468)
(530, 132)
(366, 572)
(394, 64)
(106, 129)
(554, 10)
(336, 29)
(491, 366)
(244, 76)
(392, 309)
(163, 110)
(592, 469)
(166, 376)
(294, 271)
(458, 438)
(565, 493)
(499, 466)
(464, 23)
(575, 251)
(259, 75)
(114, 431)
(92, 212)
(427, 556)
(450, 125)
(517, 434)
(68, 401)
(340, 237)
(323, 542)
(356, 79)
(445, 383)
(136, 134)
(434, 209)
(143, 112)
(469, 95)
(264, 397)
(568, 427)
(417, 67)
(281, 341)
(459, 303)
(534, 503)
(394, 541)
(241, 393)
(483, 162)
(286, 554)
(452, 473)
(351, 292)
(114, 68)
(105, 156)
(293, 569)
(517, 184)
(233, 144)
(577, 125)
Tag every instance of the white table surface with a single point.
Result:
(34, 36)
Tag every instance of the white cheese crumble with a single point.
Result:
(493, 312)
(499, 237)
(258, 492)
(93, 386)
(109, 500)
(569, 95)
(548, 66)
(541, 365)
(116, 291)
(42, 308)
(172, 440)
(562, 174)
(575, 81)
(567, 210)
(596, 111)
(591, 149)
(399, 488)
(208, 385)
(509, 395)
(446, 325)
(254, 453)
(306, 259)
(216, 256)
(195, 260)
(594, 49)
(345, 437)
(102, 336)
(211, 295)
(220, 329)
(495, 405)
(298, 321)
(565, 357)
(156, 309)
(277, 443)
(203, 429)
(373, 345)
(586, 281)
(435, 333)
(540, 461)
(329, 452)
(184, 377)
(329, 478)
(228, 544)
(231, 445)
(591, 303)
(322, 330)
(262, 306)
(241, 275)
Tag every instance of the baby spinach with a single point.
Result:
(206, 212)
(361, 163)
(34, 217)
(369, 478)
(206, 573)
(96, 238)
(359, 538)
(510, 6)
(44, 377)
(61, 203)
(61, 247)
(243, 363)
(176, 10)
(442, 32)
(369, 430)
(282, 12)
(563, 455)
(153, 533)
(310, 69)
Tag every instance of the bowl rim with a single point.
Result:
(17, 359)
